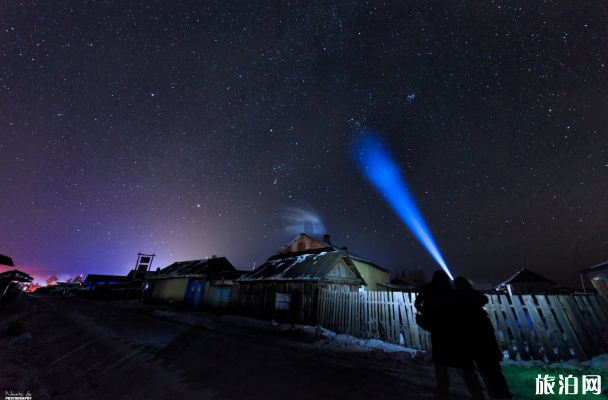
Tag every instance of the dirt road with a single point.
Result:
(69, 348)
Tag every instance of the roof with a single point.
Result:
(525, 275)
(194, 268)
(95, 278)
(398, 288)
(401, 281)
(16, 275)
(312, 265)
(4, 260)
(595, 268)
(333, 248)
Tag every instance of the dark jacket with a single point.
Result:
(438, 305)
(475, 330)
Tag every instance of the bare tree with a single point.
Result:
(32, 287)
(52, 281)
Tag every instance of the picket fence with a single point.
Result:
(538, 327)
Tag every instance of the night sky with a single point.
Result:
(194, 128)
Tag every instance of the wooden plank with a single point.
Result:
(490, 310)
(603, 300)
(515, 331)
(407, 334)
(382, 316)
(539, 328)
(394, 318)
(529, 337)
(412, 331)
(349, 314)
(556, 333)
(412, 310)
(558, 309)
(574, 318)
(370, 315)
(502, 323)
(598, 316)
(589, 323)
(358, 314)
(331, 322)
(395, 321)
(376, 315)
(327, 313)
(387, 318)
(599, 311)
(322, 307)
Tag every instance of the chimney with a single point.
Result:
(214, 256)
(158, 269)
(344, 248)
(326, 239)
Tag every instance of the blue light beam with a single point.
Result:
(381, 170)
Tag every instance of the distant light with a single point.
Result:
(382, 171)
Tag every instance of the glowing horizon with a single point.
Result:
(382, 171)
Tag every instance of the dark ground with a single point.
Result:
(81, 349)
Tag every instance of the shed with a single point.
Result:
(11, 284)
(286, 286)
(525, 281)
(183, 283)
(599, 278)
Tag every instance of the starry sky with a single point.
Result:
(192, 128)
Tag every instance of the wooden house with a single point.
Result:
(525, 281)
(182, 283)
(11, 284)
(599, 278)
(375, 276)
(286, 287)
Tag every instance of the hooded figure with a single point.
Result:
(476, 334)
(435, 302)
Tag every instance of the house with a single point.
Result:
(99, 279)
(286, 287)
(525, 281)
(376, 277)
(599, 278)
(183, 283)
(11, 284)
(400, 284)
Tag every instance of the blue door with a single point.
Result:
(194, 293)
(221, 296)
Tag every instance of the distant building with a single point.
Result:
(599, 278)
(183, 283)
(400, 284)
(376, 277)
(12, 284)
(527, 282)
(100, 279)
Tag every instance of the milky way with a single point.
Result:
(189, 128)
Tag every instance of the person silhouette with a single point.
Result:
(435, 302)
(476, 333)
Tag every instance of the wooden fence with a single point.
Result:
(539, 327)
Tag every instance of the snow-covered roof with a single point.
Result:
(524, 275)
(314, 265)
(331, 247)
(195, 268)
